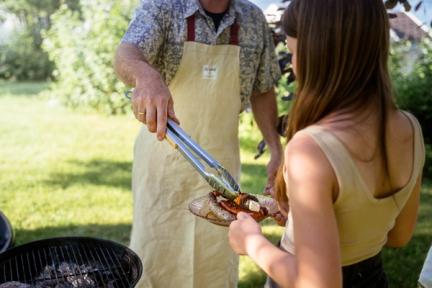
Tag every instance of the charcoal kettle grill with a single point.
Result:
(69, 262)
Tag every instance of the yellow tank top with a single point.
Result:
(363, 221)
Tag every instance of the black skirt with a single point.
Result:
(368, 273)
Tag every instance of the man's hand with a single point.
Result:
(152, 104)
(264, 109)
(272, 169)
(273, 209)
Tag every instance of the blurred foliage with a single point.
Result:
(80, 39)
(412, 79)
(22, 57)
(35, 14)
(82, 46)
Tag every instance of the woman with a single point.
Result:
(352, 168)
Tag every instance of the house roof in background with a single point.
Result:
(407, 27)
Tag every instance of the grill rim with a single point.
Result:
(99, 243)
(8, 233)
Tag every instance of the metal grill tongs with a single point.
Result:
(222, 181)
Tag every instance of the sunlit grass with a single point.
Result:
(62, 172)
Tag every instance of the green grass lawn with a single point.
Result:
(67, 173)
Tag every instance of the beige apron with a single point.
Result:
(178, 249)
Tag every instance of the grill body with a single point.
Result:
(71, 262)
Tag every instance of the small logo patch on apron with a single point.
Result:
(209, 72)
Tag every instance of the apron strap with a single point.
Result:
(235, 28)
(234, 31)
(191, 28)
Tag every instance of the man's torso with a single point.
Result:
(253, 37)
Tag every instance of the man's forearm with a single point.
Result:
(130, 65)
(264, 108)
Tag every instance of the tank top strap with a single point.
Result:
(419, 148)
(338, 156)
(403, 194)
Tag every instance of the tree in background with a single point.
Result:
(22, 57)
(82, 45)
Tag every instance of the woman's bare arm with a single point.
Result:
(316, 262)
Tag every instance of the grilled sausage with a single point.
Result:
(233, 208)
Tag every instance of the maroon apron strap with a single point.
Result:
(234, 33)
(191, 28)
(235, 28)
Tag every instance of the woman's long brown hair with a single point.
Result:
(342, 57)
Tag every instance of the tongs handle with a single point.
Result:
(178, 144)
(173, 127)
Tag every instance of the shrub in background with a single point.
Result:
(414, 89)
(82, 46)
(21, 60)
(21, 54)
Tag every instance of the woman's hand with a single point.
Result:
(242, 232)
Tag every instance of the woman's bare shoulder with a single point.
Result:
(305, 161)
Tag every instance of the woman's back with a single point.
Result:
(367, 201)
(359, 136)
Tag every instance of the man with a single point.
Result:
(201, 62)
